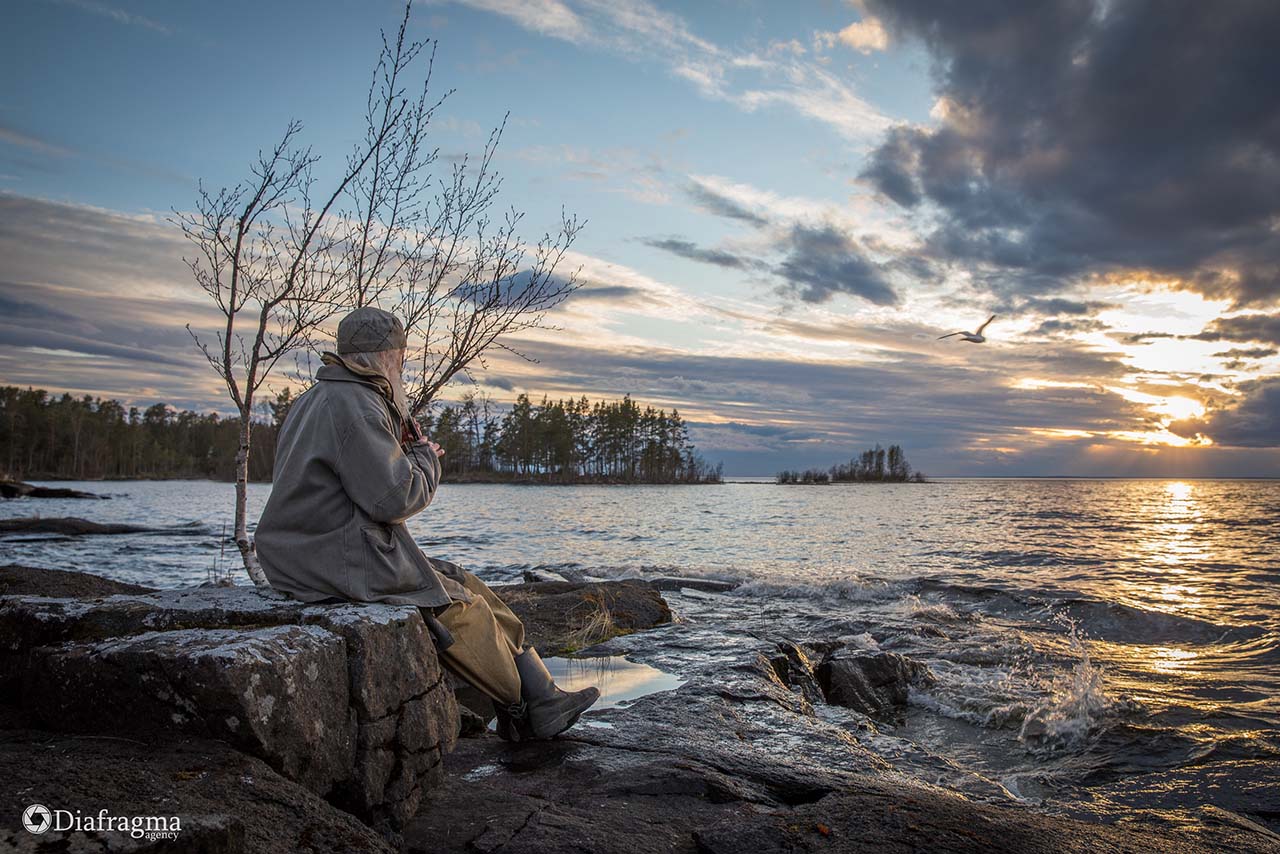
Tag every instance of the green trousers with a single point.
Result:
(486, 639)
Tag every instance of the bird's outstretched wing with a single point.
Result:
(985, 325)
(940, 337)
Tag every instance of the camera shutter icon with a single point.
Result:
(37, 818)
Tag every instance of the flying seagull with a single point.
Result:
(972, 337)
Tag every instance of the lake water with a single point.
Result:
(1099, 645)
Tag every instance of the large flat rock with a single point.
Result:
(347, 700)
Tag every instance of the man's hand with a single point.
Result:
(439, 451)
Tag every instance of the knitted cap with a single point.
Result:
(370, 330)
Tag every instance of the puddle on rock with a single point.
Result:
(620, 681)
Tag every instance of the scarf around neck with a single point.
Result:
(376, 369)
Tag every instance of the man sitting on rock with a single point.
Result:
(351, 467)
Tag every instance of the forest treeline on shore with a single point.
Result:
(45, 435)
(874, 465)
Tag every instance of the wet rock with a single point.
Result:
(873, 683)
(862, 678)
(347, 700)
(884, 816)
(535, 575)
(16, 580)
(796, 670)
(562, 617)
(14, 489)
(732, 762)
(17, 489)
(224, 800)
(706, 585)
(69, 526)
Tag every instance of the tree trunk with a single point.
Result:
(242, 495)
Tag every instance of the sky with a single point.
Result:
(786, 205)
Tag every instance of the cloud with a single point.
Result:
(548, 17)
(94, 302)
(616, 294)
(1247, 353)
(952, 415)
(823, 261)
(621, 169)
(641, 32)
(116, 14)
(865, 36)
(1261, 328)
(16, 137)
(818, 258)
(1253, 422)
(1078, 139)
(693, 252)
(1070, 327)
(1055, 306)
(716, 202)
(893, 165)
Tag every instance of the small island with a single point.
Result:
(874, 465)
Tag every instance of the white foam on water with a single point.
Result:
(1076, 701)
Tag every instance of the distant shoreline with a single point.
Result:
(729, 480)
(485, 481)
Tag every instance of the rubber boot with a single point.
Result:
(511, 723)
(548, 711)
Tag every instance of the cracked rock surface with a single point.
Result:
(348, 701)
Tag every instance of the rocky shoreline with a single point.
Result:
(269, 725)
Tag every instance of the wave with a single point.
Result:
(844, 589)
(1076, 703)
(1114, 621)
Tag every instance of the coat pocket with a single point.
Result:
(379, 537)
(390, 568)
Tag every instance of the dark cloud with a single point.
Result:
(822, 261)
(499, 382)
(1262, 328)
(721, 205)
(694, 252)
(1054, 306)
(610, 293)
(1254, 422)
(818, 262)
(893, 166)
(1073, 326)
(1247, 353)
(1084, 137)
(1144, 337)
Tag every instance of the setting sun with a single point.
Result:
(1179, 408)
